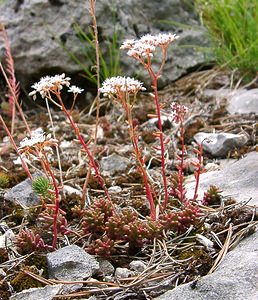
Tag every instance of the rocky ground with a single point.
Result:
(223, 114)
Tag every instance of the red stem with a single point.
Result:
(48, 168)
(198, 173)
(144, 174)
(92, 11)
(181, 167)
(24, 165)
(89, 154)
(133, 135)
(161, 139)
(15, 99)
(12, 78)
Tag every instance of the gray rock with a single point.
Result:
(36, 23)
(219, 94)
(46, 293)
(235, 279)
(219, 144)
(179, 60)
(121, 273)
(237, 178)
(71, 263)
(23, 194)
(244, 102)
(137, 266)
(240, 101)
(106, 268)
(33, 24)
(69, 190)
(114, 163)
(115, 189)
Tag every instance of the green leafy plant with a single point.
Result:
(41, 186)
(232, 26)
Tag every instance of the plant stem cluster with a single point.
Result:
(107, 225)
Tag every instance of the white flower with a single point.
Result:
(74, 89)
(138, 48)
(141, 49)
(49, 84)
(116, 85)
(149, 39)
(147, 44)
(37, 136)
(166, 38)
(127, 44)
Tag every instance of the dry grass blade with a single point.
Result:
(250, 228)
(111, 284)
(38, 278)
(87, 293)
(223, 251)
(92, 10)
(12, 263)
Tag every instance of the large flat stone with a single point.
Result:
(33, 27)
(23, 194)
(238, 178)
(244, 102)
(71, 263)
(46, 293)
(235, 279)
(219, 144)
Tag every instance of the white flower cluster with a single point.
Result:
(48, 84)
(74, 89)
(159, 39)
(37, 136)
(116, 85)
(147, 44)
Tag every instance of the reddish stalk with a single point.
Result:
(178, 116)
(161, 139)
(92, 11)
(15, 99)
(139, 158)
(181, 166)
(122, 95)
(39, 152)
(55, 217)
(145, 178)
(154, 82)
(142, 50)
(197, 173)
(86, 149)
(24, 165)
(14, 89)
